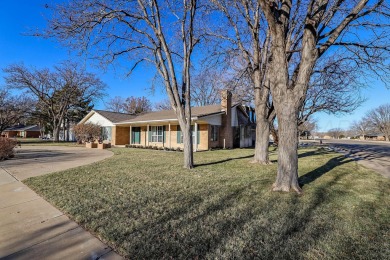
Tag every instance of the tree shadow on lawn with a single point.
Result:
(223, 161)
(277, 226)
(306, 154)
(229, 228)
(317, 173)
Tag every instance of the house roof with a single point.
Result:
(170, 114)
(115, 116)
(23, 128)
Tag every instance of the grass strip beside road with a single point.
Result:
(44, 142)
(145, 205)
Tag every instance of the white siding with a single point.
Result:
(99, 120)
(213, 120)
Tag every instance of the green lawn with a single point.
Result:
(145, 205)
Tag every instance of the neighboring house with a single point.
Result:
(224, 126)
(374, 136)
(22, 131)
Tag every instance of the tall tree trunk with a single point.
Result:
(262, 140)
(262, 94)
(188, 148)
(56, 132)
(67, 130)
(287, 176)
(286, 102)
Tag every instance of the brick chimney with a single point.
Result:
(226, 129)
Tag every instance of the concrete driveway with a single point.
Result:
(30, 227)
(31, 161)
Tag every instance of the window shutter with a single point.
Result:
(164, 134)
(150, 134)
(178, 134)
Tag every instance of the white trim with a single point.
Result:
(169, 125)
(196, 136)
(147, 134)
(152, 121)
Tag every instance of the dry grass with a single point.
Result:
(40, 142)
(145, 205)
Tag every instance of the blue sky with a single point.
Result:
(20, 16)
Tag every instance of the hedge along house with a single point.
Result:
(222, 126)
(106, 119)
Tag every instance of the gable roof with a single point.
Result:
(165, 115)
(115, 116)
(23, 128)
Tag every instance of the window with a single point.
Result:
(106, 133)
(214, 133)
(157, 134)
(180, 135)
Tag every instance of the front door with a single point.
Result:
(136, 135)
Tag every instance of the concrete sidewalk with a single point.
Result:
(31, 228)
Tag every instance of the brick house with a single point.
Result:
(224, 126)
(22, 131)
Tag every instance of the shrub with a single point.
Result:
(7, 148)
(178, 149)
(87, 132)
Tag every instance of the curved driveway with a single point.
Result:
(31, 161)
(31, 228)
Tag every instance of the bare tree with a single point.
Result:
(336, 133)
(206, 88)
(56, 90)
(13, 109)
(361, 127)
(379, 119)
(163, 33)
(130, 105)
(248, 41)
(307, 128)
(115, 104)
(163, 105)
(302, 33)
(334, 88)
(137, 105)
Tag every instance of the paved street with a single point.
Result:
(31, 228)
(374, 155)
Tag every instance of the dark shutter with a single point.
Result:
(164, 134)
